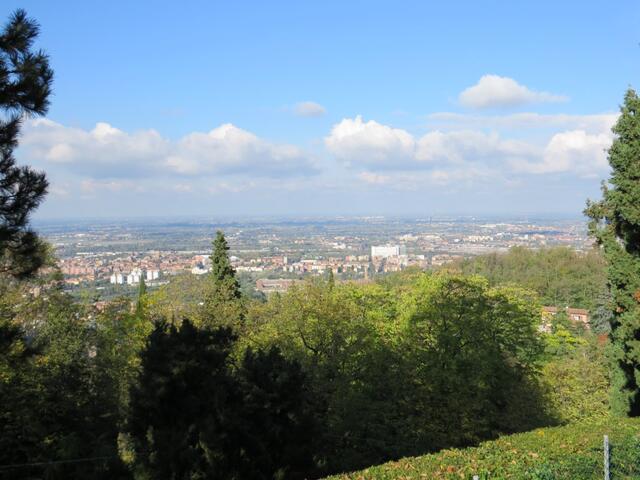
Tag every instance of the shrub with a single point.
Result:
(559, 453)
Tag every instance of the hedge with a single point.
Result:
(571, 452)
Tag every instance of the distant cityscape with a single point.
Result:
(102, 255)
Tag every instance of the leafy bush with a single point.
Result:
(560, 453)
(577, 384)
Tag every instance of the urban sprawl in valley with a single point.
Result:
(111, 257)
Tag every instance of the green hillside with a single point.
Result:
(570, 452)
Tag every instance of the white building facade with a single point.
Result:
(386, 251)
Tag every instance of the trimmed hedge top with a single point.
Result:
(571, 452)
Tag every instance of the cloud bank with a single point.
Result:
(455, 154)
(377, 150)
(107, 152)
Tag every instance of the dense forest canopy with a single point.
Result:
(560, 275)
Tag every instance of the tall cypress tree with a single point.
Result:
(142, 291)
(222, 272)
(223, 304)
(615, 224)
(25, 86)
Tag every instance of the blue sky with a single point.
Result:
(346, 107)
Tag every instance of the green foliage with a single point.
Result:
(475, 348)
(561, 453)
(13, 349)
(184, 394)
(328, 331)
(142, 293)
(578, 383)
(58, 404)
(248, 287)
(193, 416)
(278, 422)
(404, 368)
(221, 269)
(120, 337)
(560, 275)
(615, 224)
(142, 288)
(182, 297)
(602, 315)
(562, 341)
(402, 279)
(25, 86)
(223, 301)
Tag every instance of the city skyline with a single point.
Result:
(328, 109)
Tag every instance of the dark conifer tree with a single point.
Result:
(222, 273)
(25, 86)
(278, 425)
(615, 223)
(193, 415)
(331, 280)
(223, 304)
(184, 394)
(142, 291)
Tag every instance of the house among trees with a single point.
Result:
(279, 285)
(576, 315)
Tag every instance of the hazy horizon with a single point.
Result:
(436, 217)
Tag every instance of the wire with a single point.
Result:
(54, 462)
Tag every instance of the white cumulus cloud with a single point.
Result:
(107, 152)
(373, 145)
(231, 150)
(572, 151)
(496, 91)
(390, 155)
(102, 151)
(370, 143)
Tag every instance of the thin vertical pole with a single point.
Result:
(606, 458)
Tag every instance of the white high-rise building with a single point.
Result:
(116, 278)
(385, 251)
(152, 274)
(134, 276)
